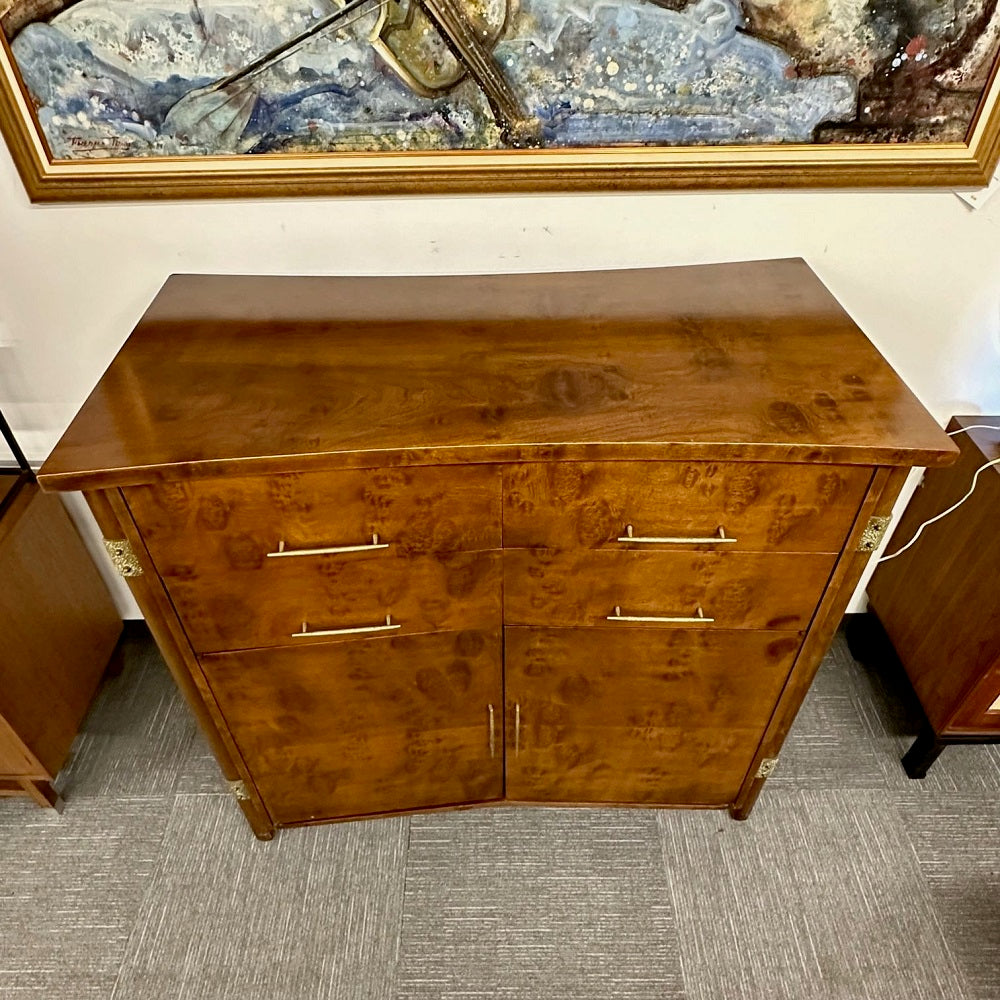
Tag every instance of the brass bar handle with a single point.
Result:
(493, 734)
(306, 634)
(698, 619)
(517, 728)
(720, 538)
(335, 550)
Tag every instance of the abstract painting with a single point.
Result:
(402, 85)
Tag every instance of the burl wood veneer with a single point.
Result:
(414, 543)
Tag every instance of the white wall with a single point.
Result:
(920, 272)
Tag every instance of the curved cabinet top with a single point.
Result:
(752, 361)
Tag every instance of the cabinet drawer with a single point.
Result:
(367, 727)
(232, 524)
(733, 590)
(226, 611)
(757, 506)
(669, 718)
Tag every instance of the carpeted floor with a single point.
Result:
(849, 881)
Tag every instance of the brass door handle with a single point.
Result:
(305, 633)
(493, 734)
(719, 538)
(282, 552)
(697, 619)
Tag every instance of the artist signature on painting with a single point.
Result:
(113, 144)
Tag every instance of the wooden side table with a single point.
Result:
(60, 628)
(939, 602)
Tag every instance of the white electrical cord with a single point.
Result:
(954, 506)
(975, 427)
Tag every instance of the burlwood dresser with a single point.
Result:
(411, 543)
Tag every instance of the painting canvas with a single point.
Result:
(178, 81)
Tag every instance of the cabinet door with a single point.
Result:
(369, 726)
(646, 716)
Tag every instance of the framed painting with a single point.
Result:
(188, 98)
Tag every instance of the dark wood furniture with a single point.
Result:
(414, 543)
(939, 602)
(59, 629)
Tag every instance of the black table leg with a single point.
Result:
(925, 750)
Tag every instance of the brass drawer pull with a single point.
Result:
(720, 538)
(332, 551)
(305, 633)
(493, 734)
(699, 619)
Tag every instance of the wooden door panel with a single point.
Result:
(654, 716)
(980, 709)
(763, 506)
(231, 524)
(425, 594)
(737, 589)
(663, 767)
(369, 726)
(14, 761)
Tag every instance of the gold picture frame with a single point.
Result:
(860, 165)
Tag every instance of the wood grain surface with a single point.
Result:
(115, 521)
(15, 759)
(231, 524)
(59, 628)
(737, 589)
(246, 375)
(882, 495)
(763, 506)
(374, 725)
(980, 709)
(671, 718)
(226, 611)
(248, 411)
(6, 485)
(938, 601)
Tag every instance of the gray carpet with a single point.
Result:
(849, 881)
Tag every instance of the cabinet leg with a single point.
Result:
(260, 822)
(925, 750)
(742, 807)
(44, 794)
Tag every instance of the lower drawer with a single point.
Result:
(369, 726)
(734, 590)
(649, 716)
(288, 599)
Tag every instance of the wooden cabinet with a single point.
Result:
(59, 630)
(418, 543)
(938, 603)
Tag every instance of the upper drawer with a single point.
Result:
(753, 506)
(233, 523)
